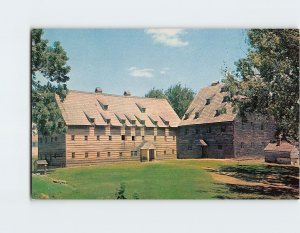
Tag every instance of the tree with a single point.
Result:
(120, 192)
(268, 79)
(49, 63)
(178, 96)
(156, 93)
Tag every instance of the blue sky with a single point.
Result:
(140, 59)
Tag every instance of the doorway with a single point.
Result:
(151, 154)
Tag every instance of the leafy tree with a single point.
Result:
(178, 96)
(267, 80)
(120, 192)
(156, 93)
(49, 63)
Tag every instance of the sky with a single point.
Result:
(138, 60)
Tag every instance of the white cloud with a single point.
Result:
(171, 37)
(137, 72)
(164, 70)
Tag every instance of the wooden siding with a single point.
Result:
(116, 149)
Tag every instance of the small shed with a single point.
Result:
(40, 166)
(281, 152)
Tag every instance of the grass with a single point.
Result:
(176, 179)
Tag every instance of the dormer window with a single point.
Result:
(103, 105)
(142, 108)
(186, 116)
(197, 114)
(220, 111)
(224, 89)
(225, 98)
(132, 122)
(107, 121)
(207, 102)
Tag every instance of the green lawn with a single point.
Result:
(176, 179)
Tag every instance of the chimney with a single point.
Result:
(215, 83)
(98, 90)
(279, 140)
(127, 93)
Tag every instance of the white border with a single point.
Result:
(19, 214)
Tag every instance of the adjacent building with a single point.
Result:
(210, 128)
(109, 128)
(281, 152)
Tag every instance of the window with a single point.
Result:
(108, 154)
(108, 121)
(207, 102)
(73, 155)
(72, 137)
(120, 154)
(197, 114)
(262, 127)
(98, 154)
(223, 128)
(242, 145)
(133, 138)
(143, 138)
(186, 132)
(154, 138)
(85, 137)
(173, 151)
(165, 152)
(252, 125)
(33, 144)
(197, 131)
(98, 138)
(123, 137)
(209, 129)
(133, 153)
(109, 138)
(86, 155)
(220, 147)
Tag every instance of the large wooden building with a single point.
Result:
(211, 129)
(109, 128)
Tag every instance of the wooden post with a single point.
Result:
(148, 159)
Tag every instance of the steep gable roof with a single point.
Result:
(209, 106)
(79, 106)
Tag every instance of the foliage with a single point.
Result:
(156, 93)
(267, 80)
(120, 192)
(178, 96)
(48, 62)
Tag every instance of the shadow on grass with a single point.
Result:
(283, 181)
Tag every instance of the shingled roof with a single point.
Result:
(86, 108)
(209, 106)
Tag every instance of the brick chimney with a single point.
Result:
(127, 93)
(98, 90)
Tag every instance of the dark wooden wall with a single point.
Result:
(254, 134)
(188, 141)
(53, 149)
